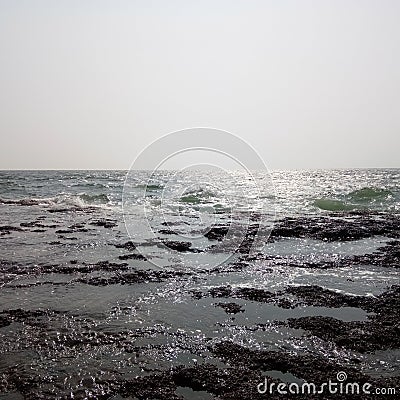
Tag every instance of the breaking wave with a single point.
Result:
(95, 198)
(370, 194)
(80, 200)
(197, 197)
(150, 187)
(364, 198)
(332, 205)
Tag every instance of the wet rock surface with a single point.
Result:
(385, 256)
(180, 246)
(116, 326)
(132, 256)
(343, 227)
(230, 308)
(217, 232)
(127, 245)
(133, 277)
(380, 332)
(106, 223)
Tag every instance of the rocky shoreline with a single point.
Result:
(225, 367)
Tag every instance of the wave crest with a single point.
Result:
(332, 205)
(81, 200)
(360, 199)
(370, 194)
(197, 196)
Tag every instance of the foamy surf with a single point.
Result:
(82, 200)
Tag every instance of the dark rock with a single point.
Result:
(341, 228)
(356, 335)
(217, 232)
(320, 297)
(4, 321)
(230, 308)
(160, 386)
(167, 232)
(20, 315)
(128, 246)
(9, 228)
(132, 256)
(133, 277)
(380, 332)
(174, 223)
(28, 224)
(310, 367)
(251, 294)
(180, 246)
(222, 291)
(67, 237)
(106, 223)
(385, 256)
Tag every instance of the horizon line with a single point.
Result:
(118, 169)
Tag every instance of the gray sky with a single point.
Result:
(310, 84)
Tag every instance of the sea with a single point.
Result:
(111, 276)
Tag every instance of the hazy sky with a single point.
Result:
(310, 84)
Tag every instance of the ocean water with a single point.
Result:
(74, 243)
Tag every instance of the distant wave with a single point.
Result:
(370, 194)
(363, 198)
(150, 186)
(94, 198)
(90, 185)
(196, 197)
(333, 205)
(81, 200)
(23, 202)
